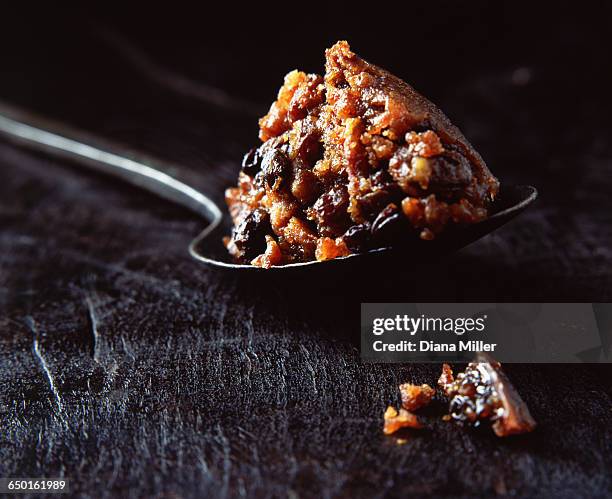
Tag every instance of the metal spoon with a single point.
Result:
(158, 177)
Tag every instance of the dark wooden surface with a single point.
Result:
(132, 370)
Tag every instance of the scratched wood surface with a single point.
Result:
(131, 370)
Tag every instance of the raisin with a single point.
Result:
(357, 237)
(305, 186)
(450, 175)
(331, 208)
(388, 226)
(250, 235)
(274, 166)
(251, 163)
(310, 149)
(371, 203)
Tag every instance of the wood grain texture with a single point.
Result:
(134, 371)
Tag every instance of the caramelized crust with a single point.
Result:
(349, 162)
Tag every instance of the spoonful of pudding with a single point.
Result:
(352, 162)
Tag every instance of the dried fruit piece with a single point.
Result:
(274, 166)
(414, 396)
(271, 257)
(251, 163)
(395, 420)
(249, 236)
(483, 392)
(357, 237)
(328, 248)
(388, 226)
(330, 210)
(338, 151)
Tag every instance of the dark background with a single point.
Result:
(130, 369)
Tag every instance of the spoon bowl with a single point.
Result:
(208, 247)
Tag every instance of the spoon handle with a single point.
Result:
(27, 129)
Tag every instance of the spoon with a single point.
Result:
(160, 178)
